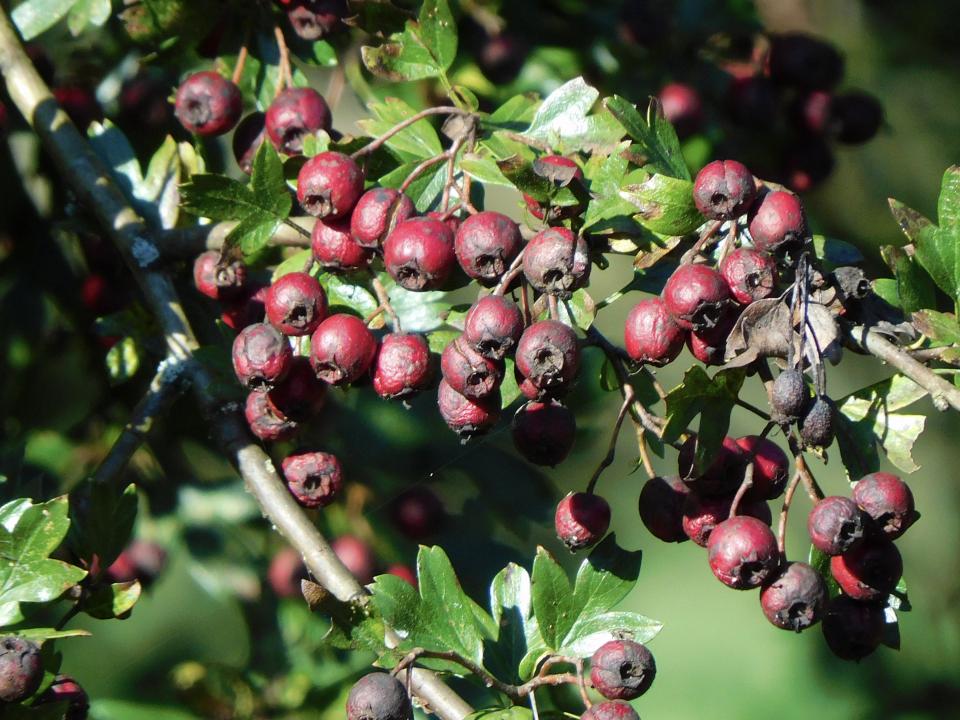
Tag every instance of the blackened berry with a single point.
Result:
(418, 513)
(334, 247)
(751, 275)
(342, 349)
(402, 367)
(247, 139)
(661, 507)
(770, 467)
(789, 396)
(701, 515)
(465, 416)
(696, 296)
(724, 189)
(329, 184)
(486, 244)
(544, 432)
(853, 629)
(296, 304)
(581, 520)
(796, 598)
(817, 423)
(21, 668)
(467, 371)
(314, 478)
(377, 213)
(208, 104)
(548, 355)
(556, 261)
(356, 556)
(300, 395)
(261, 356)
(682, 107)
(870, 570)
(493, 326)
(743, 552)
(803, 61)
(293, 115)
(888, 500)
(778, 223)
(419, 254)
(265, 422)
(651, 335)
(835, 525)
(622, 669)
(379, 696)
(610, 710)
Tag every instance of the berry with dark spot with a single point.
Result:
(402, 367)
(493, 326)
(622, 669)
(334, 247)
(247, 139)
(544, 432)
(857, 117)
(265, 422)
(682, 107)
(888, 500)
(356, 556)
(661, 507)
(314, 478)
(771, 467)
(566, 165)
(796, 598)
(285, 573)
(651, 335)
(870, 570)
(724, 189)
(342, 349)
(293, 115)
(67, 690)
(724, 474)
(208, 104)
(696, 296)
(789, 396)
(467, 371)
(778, 223)
(216, 280)
(817, 423)
(701, 515)
(419, 254)
(556, 262)
(486, 244)
(21, 668)
(261, 356)
(548, 355)
(465, 416)
(377, 213)
(853, 629)
(610, 710)
(803, 61)
(751, 275)
(300, 395)
(743, 552)
(418, 513)
(329, 184)
(379, 696)
(296, 304)
(835, 525)
(316, 19)
(581, 520)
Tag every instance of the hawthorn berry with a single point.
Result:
(296, 304)
(329, 183)
(247, 139)
(752, 101)
(65, 689)
(564, 164)
(314, 478)
(208, 104)
(402, 366)
(334, 247)
(743, 552)
(141, 560)
(610, 710)
(710, 344)
(696, 296)
(216, 280)
(418, 513)
(486, 244)
(853, 629)
(356, 556)
(247, 309)
(770, 466)
(835, 525)
(581, 520)
(622, 669)
(300, 395)
(682, 108)
(419, 254)
(803, 61)
(342, 349)
(265, 422)
(888, 501)
(651, 335)
(285, 572)
(724, 189)
(493, 326)
(466, 416)
(751, 275)
(701, 515)
(789, 396)
(817, 423)
(556, 262)
(379, 696)
(807, 163)
(796, 598)
(544, 432)
(467, 371)
(80, 103)
(377, 213)
(548, 355)
(21, 668)
(870, 570)
(724, 474)
(857, 116)
(405, 573)
(813, 112)
(777, 222)
(261, 356)
(316, 19)
(293, 115)
(661, 503)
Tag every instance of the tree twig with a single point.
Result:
(190, 242)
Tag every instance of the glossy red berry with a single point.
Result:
(379, 696)
(581, 520)
(662, 501)
(493, 326)
(486, 244)
(208, 104)
(888, 501)
(743, 552)
(853, 629)
(402, 367)
(796, 598)
(682, 107)
(751, 275)
(293, 115)
(329, 184)
(265, 422)
(556, 262)
(544, 432)
(778, 222)
(65, 689)
(622, 669)
(285, 573)
(548, 355)
(261, 356)
(465, 416)
(771, 466)
(610, 710)
(835, 525)
(357, 556)
(334, 247)
(651, 335)
(342, 349)
(418, 513)
(419, 254)
(377, 213)
(247, 139)
(21, 668)
(565, 165)
(296, 304)
(314, 478)
(857, 117)
(701, 515)
(710, 344)
(870, 570)
(724, 474)
(696, 296)
(724, 190)
(316, 19)
(300, 395)
(467, 371)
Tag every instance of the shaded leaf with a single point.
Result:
(416, 142)
(656, 137)
(939, 327)
(112, 601)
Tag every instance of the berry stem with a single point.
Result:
(384, 298)
(241, 61)
(285, 76)
(628, 397)
(451, 180)
(400, 126)
(809, 482)
(553, 307)
(422, 168)
(745, 485)
(516, 267)
(301, 231)
(754, 409)
(782, 527)
(690, 255)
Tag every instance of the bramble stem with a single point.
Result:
(403, 125)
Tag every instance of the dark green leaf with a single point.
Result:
(935, 247)
(295, 263)
(915, 290)
(592, 631)
(665, 204)
(553, 602)
(484, 169)
(656, 136)
(111, 601)
(606, 182)
(438, 31)
(509, 390)
(512, 713)
(341, 292)
(439, 339)
(515, 114)
(425, 191)
(606, 576)
(418, 311)
(414, 143)
(835, 252)
(820, 562)
(102, 521)
(377, 16)
(42, 635)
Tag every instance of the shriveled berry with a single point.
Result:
(701, 515)
(402, 367)
(314, 478)
(778, 222)
(21, 668)
(771, 466)
(581, 520)
(419, 254)
(418, 513)
(622, 669)
(796, 598)
(465, 416)
(342, 349)
(65, 689)
(870, 570)
(651, 335)
(751, 275)
(556, 261)
(493, 326)
(724, 474)
(789, 396)
(743, 552)
(247, 309)
(486, 244)
(467, 371)
(293, 115)
(803, 61)
(696, 296)
(356, 556)
(817, 423)
(285, 573)
(661, 507)
(247, 139)
(835, 525)
(329, 183)
(548, 355)
(216, 280)
(377, 213)
(379, 696)
(857, 117)
(265, 422)
(888, 500)
(300, 395)
(296, 304)
(208, 104)
(682, 107)
(316, 19)
(334, 247)
(544, 432)
(610, 710)
(724, 189)
(261, 356)
(564, 164)
(853, 629)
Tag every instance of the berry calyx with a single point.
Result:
(835, 525)
(219, 280)
(465, 416)
(334, 247)
(622, 669)
(853, 629)
(295, 113)
(661, 507)
(778, 223)
(610, 710)
(261, 356)
(789, 396)
(771, 467)
(888, 501)
(402, 367)
(796, 598)
(724, 189)
(870, 570)
(581, 520)
(296, 304)
(556, 261)
(379, 696)
(418, 513)
(544, 432)
(493, 326)
(208, 104)
(751, 275)
(743, 552)
(21, 668)
(696, 296)
(419, 254)
(342, 349)
(548, 355)
(313, 478)
(651, 335)
(329, 183)
(377, 213)
(467, 371)
(486, 244)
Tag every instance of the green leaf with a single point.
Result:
(102, 521)
(553, 601)
(515, 114)
(414, 143)
(512, 713)
(36, 16)
(509, 389)
(511, 608)
(484, 169)
(425, 191)
(656, 137)
(42, 635)
(915, 289)
(324, 54)
(563, 123)
(438, 31)
(88, 12)
(123, 361)
(606, 576)
(295, 263)
(341, 292)
(423, 49)
(439, 339)
(666, 205)
(112, 601)
(592, 631)
(820, 562)
(606, 203)
(835, 252)
(418, 311)
(942, 328)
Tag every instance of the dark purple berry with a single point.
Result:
(803, 61)
(696, 296)
(544, 432)
(709, 345)
(247, 139)
(751, 275)
(314, 478)
(67, 690)
(796, 598)
(342, 349)
(651, 335)
(377, 213)
(743, 552)
(835, 525)
(778, 222)
(402, 367)
(265, 422)
(419, 254)
(581, 520)
(888, 500)
(702, 515)
(208, 104)
(329, 184)
(724, 474)
(853, 629)
(294, 114)
(334, 247)
(813, 112)
(486, 244)
(465, 416)
(661, 507)
(219, 280)
(622, 670)
(493, 326)
(857, 117)
(418, 513)
(21, 668)
(296, 304)
(724, 189)
(467, 371)
(379, 696)
(870, 570)
(556, 262)
(261, 356)
(548, 355)
(141, 560)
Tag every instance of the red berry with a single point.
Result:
(419, 254)
(610, 710)
(316, 19)
(835, 525)
(342, 349)
(651, 334)
(771, 466)
(21, 668)
(294, 114)
(709, 345)
(467, 371)
(582, 520)
(853, 629)
(796, 598)
(208, 104)
(622, 669)
(314, 478)
(777, 222)
(356, 556)
(724, 474)
(544, 432)
(100, 296)
(702, 515)
(465, 416)
(261, 356)
(486, 244)
(743, 552)
(807, 163)
(724, 190)
(557, 161)
(247, 309)
(377, 213)
(285, 573)
(402, 367)
(696, 296)
(870, 570)
(493, 326)
(418, 513)
(334, 247)
(300, 395)
(247, 139)
(81, 105)
(682, 107)
(404, 572)
(379, 696)
(751, 275)
(548, 355)
(661, 507)
(296, 304)
(813, 112)
(220, 281)
(67, 690)
(888, 500)
(265, 422)
(329, 184)
(556, 262)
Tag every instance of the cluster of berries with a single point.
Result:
(21, 673)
